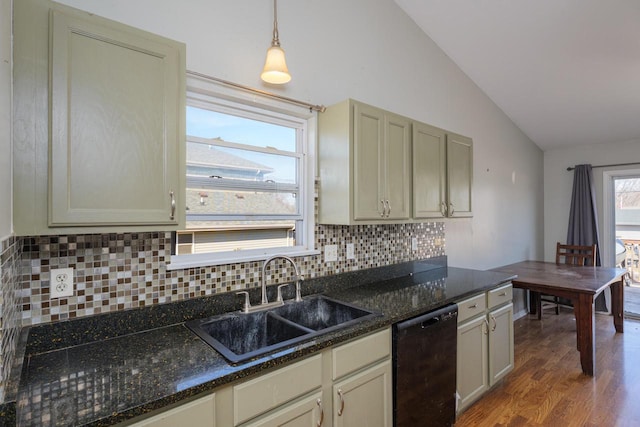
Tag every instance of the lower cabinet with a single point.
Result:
(307, 412)
(485, 343)
(199, 413)
(347, 385)
(364, 399)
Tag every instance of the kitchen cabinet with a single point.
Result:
(378, 167)
(102, 107)
(442, 173)
(199, 413)
(485, 343)
(363, 397)
(364, 155)
(274, 390)
(348, 385)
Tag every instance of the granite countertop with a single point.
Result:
(109, 368)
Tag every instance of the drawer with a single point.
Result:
(472, 307)
(501, 295)
(269, 391)
(197, 413)
(357, 354)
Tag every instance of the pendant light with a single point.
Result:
(275, 67)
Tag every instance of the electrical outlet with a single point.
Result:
(351, 251)
(330, 253)
(61, 283)
(414, 244)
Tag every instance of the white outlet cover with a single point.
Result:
(61, 284)
(330, 253)
(351, 251)
(414, 244)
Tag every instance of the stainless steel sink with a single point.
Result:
(240, 337)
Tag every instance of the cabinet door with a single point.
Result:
(364, 399)
(459, 175)
(397, 166)
(199, 413)
(500, 343)
(368, 146)
(472, 378)
(429, 171)
(117, 124)
(308, 412)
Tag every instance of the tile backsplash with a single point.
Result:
(120, 271)
(9, 306)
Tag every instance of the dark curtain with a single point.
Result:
(583, 217)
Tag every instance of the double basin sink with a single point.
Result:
(240, 337)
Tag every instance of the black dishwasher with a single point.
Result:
(424, 355)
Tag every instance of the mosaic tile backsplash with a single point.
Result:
(121, 271)
(9, 306)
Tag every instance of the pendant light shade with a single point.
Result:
(275, 66)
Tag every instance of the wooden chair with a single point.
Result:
(570, 255)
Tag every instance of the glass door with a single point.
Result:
(627, 246)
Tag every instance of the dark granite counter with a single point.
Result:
(110, 368)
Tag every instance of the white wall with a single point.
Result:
(371, 51)
(5, 119)
(558, 184)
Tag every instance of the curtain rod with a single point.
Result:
(320, 108)
(608, 166)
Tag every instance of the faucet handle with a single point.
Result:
(247, 304)
(279, 298)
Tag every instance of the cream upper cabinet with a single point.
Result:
(377, 167)
(459, 175)
(442, 173)
(108, 147)
(429, 158)
(365, 165)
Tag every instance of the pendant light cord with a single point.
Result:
(276, 39)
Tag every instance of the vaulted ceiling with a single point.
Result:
(567, 72)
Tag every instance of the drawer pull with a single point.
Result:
(321, 420)
(474, 305)
(502, 294)
(495, 324)
(341, 410)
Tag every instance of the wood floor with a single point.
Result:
(547, 387)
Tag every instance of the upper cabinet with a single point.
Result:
(365, 165)
(112, 155)
(442, 173)
(378, 167)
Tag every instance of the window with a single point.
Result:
(249, 177)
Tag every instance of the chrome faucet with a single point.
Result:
(298, 277)
(264, 304)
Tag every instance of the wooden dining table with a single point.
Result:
(579, 284)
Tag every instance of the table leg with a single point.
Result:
(617, 305)
(535, 304)
(585, 325)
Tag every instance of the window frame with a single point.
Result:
(252, 104)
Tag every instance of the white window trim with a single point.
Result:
(224, 95)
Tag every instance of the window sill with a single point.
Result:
(180, 262)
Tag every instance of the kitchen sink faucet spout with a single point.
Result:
(298, 277)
